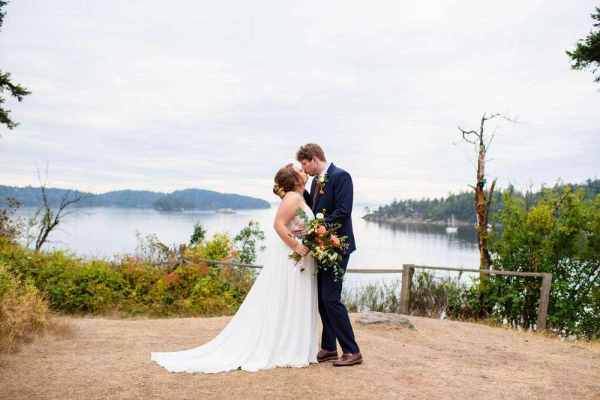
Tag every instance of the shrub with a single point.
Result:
(559, 235)
(431, 296)
(134, 284)
(23, 311)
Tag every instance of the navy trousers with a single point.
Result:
(334, 316)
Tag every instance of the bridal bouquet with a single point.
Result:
(319, 236)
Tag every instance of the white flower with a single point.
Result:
(319, 216)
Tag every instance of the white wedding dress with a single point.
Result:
(276, 325)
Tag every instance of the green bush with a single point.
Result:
(559, 235)
(133, 284)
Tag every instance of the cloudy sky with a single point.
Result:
(219, 94)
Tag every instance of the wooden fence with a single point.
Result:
(407, 272)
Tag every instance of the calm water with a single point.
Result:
(109, 231)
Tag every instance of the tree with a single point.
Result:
(559, 234)
(173, 203)
(15, 90)
(198, 235)
(483, 200)
(50, 219)
(247, 240)
(587, 51)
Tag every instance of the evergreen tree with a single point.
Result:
(587, 51)
(15, 90)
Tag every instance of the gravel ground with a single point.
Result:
(110, 359)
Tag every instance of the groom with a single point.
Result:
(334, 193)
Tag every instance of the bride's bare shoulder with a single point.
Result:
(292, 199)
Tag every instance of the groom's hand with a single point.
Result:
(302, 250)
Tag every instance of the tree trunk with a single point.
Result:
(483, 204)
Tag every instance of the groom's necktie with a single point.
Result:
(314, 202)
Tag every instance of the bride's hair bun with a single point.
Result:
(278, 191)
(287, 179)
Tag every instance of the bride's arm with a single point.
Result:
(286, 212)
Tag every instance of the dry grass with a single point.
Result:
(55, 328)
(61, 327)
(23, 312)
(110, 359)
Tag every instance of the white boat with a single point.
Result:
(451, 228)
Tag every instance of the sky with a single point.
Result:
(218, 95)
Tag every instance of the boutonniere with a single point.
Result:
(321, 182)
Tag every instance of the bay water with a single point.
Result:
(105, 232)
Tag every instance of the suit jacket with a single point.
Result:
(336, 199)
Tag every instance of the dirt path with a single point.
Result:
(110, 359)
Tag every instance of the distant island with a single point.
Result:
(188, 199)
(462, 206)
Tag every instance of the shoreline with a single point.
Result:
(404, 220)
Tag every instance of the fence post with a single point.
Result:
(544, 300)
(407, 274)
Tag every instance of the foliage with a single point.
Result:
(587, 51)
(15, 90)
(198, 235)
(431, 297)
(23, 310)
(150, 250)
(209, 200)
(52, 218)
(324, 243)
(247, 241)
(148, 283)
(381, 296)
(173, 203)
(559, 235)
(462, 206)
(157, 280)
(220, 248)
(444, 297)
(11, 227)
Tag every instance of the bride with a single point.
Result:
(277, 324)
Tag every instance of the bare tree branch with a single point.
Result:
(50, 220)
(483, 200)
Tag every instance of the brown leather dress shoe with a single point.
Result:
(326, 355)
(348, 359)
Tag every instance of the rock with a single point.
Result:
(385, 319)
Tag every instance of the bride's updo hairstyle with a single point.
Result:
(287, 179)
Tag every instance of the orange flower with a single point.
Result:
(321, 230)
(335, 239)
(319, 242)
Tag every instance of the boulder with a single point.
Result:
(385, 319)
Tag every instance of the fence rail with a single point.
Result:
(407, 272)
(349, 270)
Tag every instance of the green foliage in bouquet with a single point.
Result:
(320, 237)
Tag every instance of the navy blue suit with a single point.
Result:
(337, 201)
